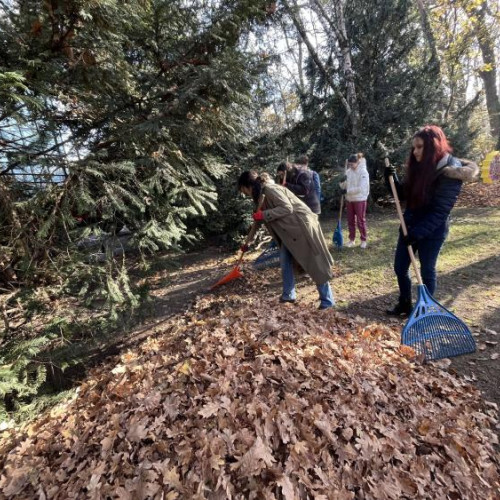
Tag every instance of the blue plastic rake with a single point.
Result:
(432, 330)
(435, 332)
(270, 257)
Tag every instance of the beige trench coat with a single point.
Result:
(293, 224)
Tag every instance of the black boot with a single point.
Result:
(402, 308)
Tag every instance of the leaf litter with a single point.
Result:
(477, 194)
(242, 398)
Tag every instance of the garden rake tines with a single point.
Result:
(432, 330)
(435, 332)
(270, 257)
(236, 273)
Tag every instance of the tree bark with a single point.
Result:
(12, 219)
(298, 60)
(429, 35)
(300, 66)
(339, 30)
(489, 76)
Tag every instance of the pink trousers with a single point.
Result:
(356, 211)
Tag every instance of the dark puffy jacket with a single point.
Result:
(301, 184)
(432, 220)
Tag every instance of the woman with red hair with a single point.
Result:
(431, 186)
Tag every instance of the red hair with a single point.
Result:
(421, 175)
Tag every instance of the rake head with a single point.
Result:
(270, 257)
(435, 332)
(233, 275)
(338, 239)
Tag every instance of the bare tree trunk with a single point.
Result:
(457, 80)
(3, 312)
(18, 233)
(489, 75)
(339, 29)
(298, 61)
(292, 11)
(429, 35)
(300, 65)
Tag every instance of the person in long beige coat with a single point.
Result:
(296, 230)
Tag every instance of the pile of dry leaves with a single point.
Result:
(247, 399)
(480, 195)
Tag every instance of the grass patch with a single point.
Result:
(466, 265)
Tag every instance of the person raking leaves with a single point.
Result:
(431, 185)
(296, 230)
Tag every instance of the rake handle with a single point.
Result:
(405, 230)
(253, 229)
(342, 197)
(240, 259)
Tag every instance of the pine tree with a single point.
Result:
(139, 105)
(397, 86)
(116, 113)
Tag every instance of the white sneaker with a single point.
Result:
(363, 244)
(349, 244)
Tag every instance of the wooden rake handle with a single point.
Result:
(341, 207)
(403, 226)
(253, 229)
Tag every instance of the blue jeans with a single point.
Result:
(427, 251)
(286, 262)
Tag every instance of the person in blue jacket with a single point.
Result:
(432, 183)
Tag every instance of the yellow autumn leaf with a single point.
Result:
(185, 368)
(486, 68)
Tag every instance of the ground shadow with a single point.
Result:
(450, 284)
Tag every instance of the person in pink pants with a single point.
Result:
(356, 189)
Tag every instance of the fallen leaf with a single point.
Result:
(209, 409)
(213, 407)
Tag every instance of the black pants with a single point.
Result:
(427, 251)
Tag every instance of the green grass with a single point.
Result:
(466, 266)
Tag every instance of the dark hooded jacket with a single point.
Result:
(431, 221)
(301, 184)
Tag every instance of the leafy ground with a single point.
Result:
(469, 283)
(183, 362)
(365, 285)
(241, 398)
